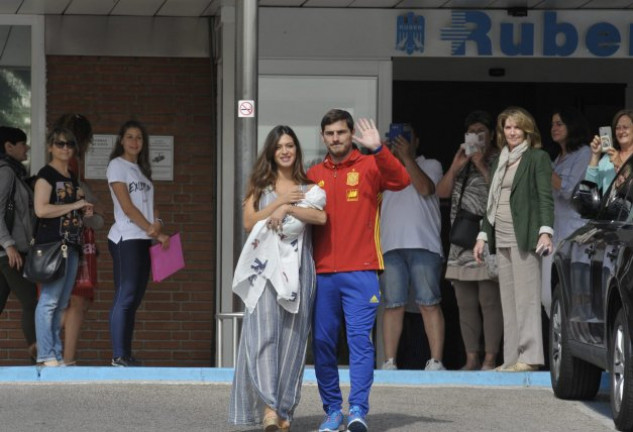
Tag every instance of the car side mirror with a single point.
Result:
(587, 199)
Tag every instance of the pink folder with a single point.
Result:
(166, 262)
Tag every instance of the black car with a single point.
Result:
(591, 312)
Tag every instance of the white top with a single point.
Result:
(141, 192)
(409, 220)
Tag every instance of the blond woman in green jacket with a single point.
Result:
(518, 226)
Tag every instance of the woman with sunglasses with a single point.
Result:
(136, 223)
(54, 212)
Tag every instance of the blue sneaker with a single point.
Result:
(333, 421)
(356, 420)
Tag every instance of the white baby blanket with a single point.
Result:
(276, 257)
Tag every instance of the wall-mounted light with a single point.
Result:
(497, 72)
(519, 11)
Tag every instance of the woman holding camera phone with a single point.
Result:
(476, 293)
(518, 225)
(603, 168)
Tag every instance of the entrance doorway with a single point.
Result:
(437, 110)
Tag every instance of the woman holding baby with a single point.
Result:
(275, 277)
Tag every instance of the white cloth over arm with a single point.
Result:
(274, 256)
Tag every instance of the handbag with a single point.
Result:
(491, 264)
(87, 271)
(45, 262)
(465, 226)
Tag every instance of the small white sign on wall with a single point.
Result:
(246, 108)
(161, 157)
(97, 156)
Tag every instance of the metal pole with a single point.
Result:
(218, 344)
(245, 127)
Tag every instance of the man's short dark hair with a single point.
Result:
(335, 115)
(11, 134)
(479, 116)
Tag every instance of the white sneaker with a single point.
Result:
(389, 365)
(434, 365)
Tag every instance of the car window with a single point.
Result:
(618, 203)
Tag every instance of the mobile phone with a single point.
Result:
(473, 142)
(403, 129)
(606, 141)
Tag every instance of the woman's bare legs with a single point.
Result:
(72, 322)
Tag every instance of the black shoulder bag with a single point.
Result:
(45, 262)
(465, 227)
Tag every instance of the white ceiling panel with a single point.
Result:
(137, 7)
(90, 7)
(504, 4)
(420, 4)
(327, 3)
(196, 8)
(471, 4)
(281, 3)
(52, 7)
(190, 8)
(609, 4)
(560, 4)
(374, 3)
(9, 6)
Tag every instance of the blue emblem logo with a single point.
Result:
(410, 33)
(468, 26)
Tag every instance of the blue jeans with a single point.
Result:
(352, 297)
(131, 262)
(418, 269)
(50, 308)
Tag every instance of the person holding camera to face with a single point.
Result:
(606, 160)
(466, 183)
(410, 225)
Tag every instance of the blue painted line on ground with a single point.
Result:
(15, 374)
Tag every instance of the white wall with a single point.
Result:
(127, 36)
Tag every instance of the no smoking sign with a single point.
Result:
(246, 108)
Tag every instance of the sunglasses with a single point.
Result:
(62, 144)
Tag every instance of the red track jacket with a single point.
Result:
(350, 240)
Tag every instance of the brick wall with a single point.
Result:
(171, 96)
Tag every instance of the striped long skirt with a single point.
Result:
(271, 354)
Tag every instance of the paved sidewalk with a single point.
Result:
(103, 399)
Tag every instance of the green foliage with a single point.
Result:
(15, 98)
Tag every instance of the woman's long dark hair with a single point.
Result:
(265, 170)
(578, 132)
(143, 157)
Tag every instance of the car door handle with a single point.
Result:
(613, 254)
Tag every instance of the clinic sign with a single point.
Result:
(566, 34)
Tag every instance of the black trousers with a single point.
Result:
(11, 280)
